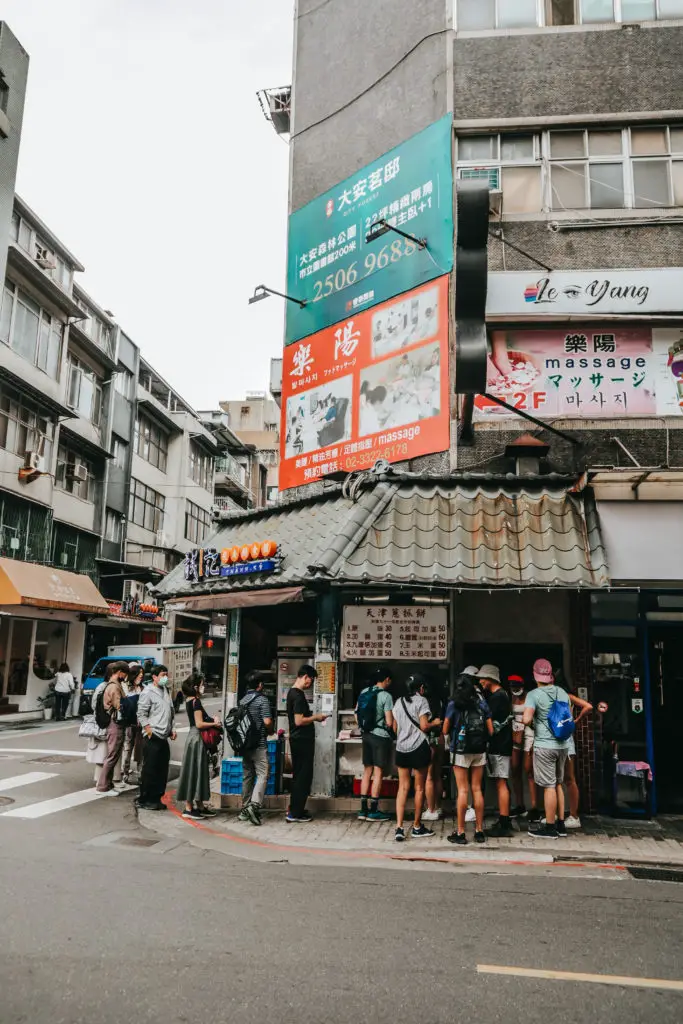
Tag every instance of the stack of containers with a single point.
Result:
(232, 771)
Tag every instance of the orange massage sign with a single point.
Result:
(374, 386)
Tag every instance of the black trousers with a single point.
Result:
(62, 704)
(303, 752)
(156, 754)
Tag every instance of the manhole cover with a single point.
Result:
(53, 759)
(5, 800)
(134, 841)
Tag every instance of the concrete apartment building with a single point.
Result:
(256, 421)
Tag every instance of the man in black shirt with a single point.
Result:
(500, 747)
(301, 743)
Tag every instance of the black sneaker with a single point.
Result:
(306, 816)
(194, 813)
(543, 832)
(209, 812)
(561, 828)
(501, 830)
(479, 837)
(518, 812)
(534, 816)
(421, 833)
(457, 838)
(253, 814)
(399, 836)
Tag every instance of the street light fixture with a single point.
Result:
(381, 227)
(262, 292)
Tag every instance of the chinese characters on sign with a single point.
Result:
(240, 560)
(373, 387)
(394, 633)
(331, 265)
(594, 371)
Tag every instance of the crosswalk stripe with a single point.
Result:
(60, 803)
(626, 981)
(25, 780)
(35, 750)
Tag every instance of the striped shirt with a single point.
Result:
(259, 708)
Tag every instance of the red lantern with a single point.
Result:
(209, 643)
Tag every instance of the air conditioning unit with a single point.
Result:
(477, 173)
(133, 591)
(34, 461)
(161, 539)
(45, 263)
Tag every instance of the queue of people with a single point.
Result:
(507, 730)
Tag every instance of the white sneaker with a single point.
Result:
(470, 814)
(570, 822)
(432, 815)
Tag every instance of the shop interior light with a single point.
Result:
(261, 291)
(381, 227)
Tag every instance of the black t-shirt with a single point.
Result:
(298, 705)
(499, 703)
(194, 704)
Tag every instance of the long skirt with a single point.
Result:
(193, 785)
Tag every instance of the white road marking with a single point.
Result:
(595, 979)
(25, 780)
(60, 803)
(35, 750)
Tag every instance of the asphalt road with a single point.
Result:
(101, 920)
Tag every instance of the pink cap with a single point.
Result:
(543, 671)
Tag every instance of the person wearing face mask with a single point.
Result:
(193, 784)
(155, 715)
(111, 698)
(522, 753)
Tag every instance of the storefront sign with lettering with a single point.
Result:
(394, 633)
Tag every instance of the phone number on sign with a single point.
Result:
(363, 459)
(345, 278)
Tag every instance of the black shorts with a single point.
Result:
(376, 750)
(419, 758)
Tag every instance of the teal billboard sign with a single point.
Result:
(336, 270)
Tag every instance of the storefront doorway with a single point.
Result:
(666, 701)
(513, 659)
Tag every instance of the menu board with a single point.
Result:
(394, 633)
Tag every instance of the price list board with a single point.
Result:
(394, 633)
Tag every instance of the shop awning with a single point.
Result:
(222, 601)
(39, 586)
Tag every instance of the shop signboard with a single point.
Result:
(394, 633)
(373, 387)
(202, 564)
(332, 266)
(594, 371)
(585, 293)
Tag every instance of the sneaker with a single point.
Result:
(306, 816)
(363, 814)
(289, 817)
(560, 828)
(243, 816)
(479, 837)
(399, 836)
(378, 816)
(421, 832)
(572, 822)
(518, 812)
(108, 792)
(432, 815)
(543, 832)
(253, 814)
(500, 831)
(209, 812)
(194, 813)
(470, 814)
(534, 816)
(457, 838)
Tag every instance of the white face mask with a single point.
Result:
(163, 680)
(201, 689)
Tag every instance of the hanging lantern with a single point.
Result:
(268, 548)
(245, 553)
(225, 556)
(255, 551)
(234, 555)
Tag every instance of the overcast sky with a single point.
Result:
(144, 149)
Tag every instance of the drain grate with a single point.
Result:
(657, 874)
(53, 759)
(5, 800)
(134, 841)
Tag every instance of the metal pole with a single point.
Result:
(647, 692)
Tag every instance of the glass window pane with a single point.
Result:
(597, 10)
(19, 659)
(475, 14)
(604, 143)
(606, 186)
(638, 10)
(676, 136)
(677, 170)
(478, 147)
(568, 187)
(671, 8)
(6, 315)
(25, 336)
(567, 144)
(651, 183)
(562, 12)
(24, 235)
(516, 13)
(648, 141)
(516, 147)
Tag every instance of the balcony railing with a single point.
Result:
(230, 467)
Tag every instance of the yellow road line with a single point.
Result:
(595, 979)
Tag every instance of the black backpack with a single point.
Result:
(242, 731)
(473, 735)
(102, 717)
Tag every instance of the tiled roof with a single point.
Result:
(473, 535)
(443, 534)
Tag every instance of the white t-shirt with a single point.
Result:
(408, 735)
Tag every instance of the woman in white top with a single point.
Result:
(413, 754)
(64, 687)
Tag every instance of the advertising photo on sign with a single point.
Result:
(373, 387)
(592, 372)
(331, 265)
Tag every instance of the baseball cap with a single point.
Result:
(543, 671)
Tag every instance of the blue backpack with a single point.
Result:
(560, 721)
(366, 710)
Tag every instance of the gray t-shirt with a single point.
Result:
(408, 735)
(541, 700)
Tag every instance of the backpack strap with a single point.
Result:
(416, 724)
